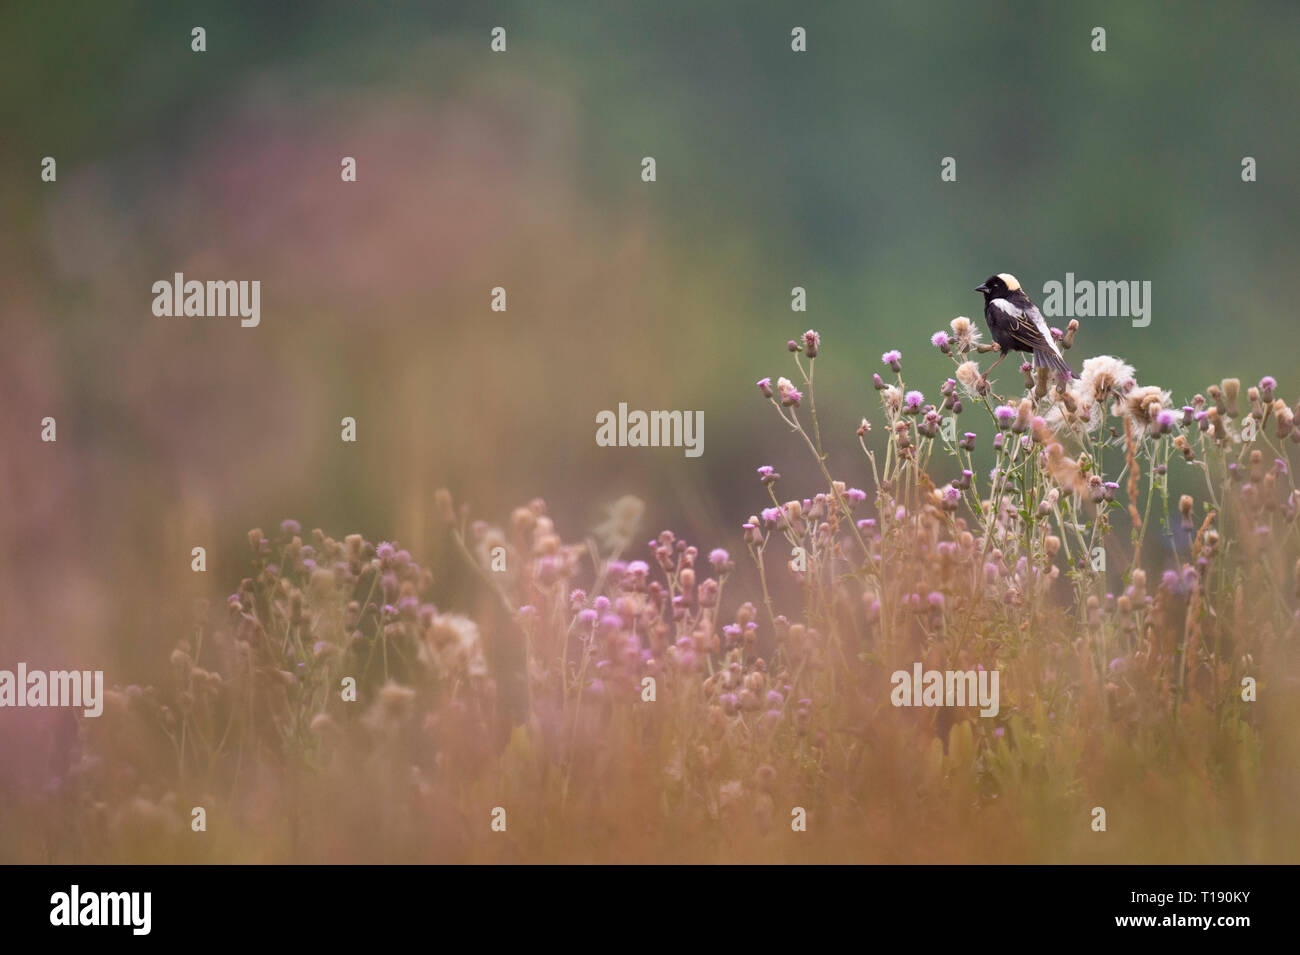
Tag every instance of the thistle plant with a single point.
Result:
(1080, 475)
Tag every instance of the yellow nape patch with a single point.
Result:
(1010, 280)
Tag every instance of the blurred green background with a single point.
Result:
(522, 169)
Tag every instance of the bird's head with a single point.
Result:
(998, 286)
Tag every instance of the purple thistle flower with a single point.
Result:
(912, 402)
(1004, 414)
(718, 558)
(811, 342)
(940, 340)
(765, 386)
(894, 359)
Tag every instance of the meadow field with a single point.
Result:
(621, 699)
(569, 433)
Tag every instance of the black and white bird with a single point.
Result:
(1017, 325)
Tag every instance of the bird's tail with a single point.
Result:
(1044, 358)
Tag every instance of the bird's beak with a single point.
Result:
(981, 287)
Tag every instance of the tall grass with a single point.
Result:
(667, 708)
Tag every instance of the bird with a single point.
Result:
(1016, 324)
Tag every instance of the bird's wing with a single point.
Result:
(1027, 326)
